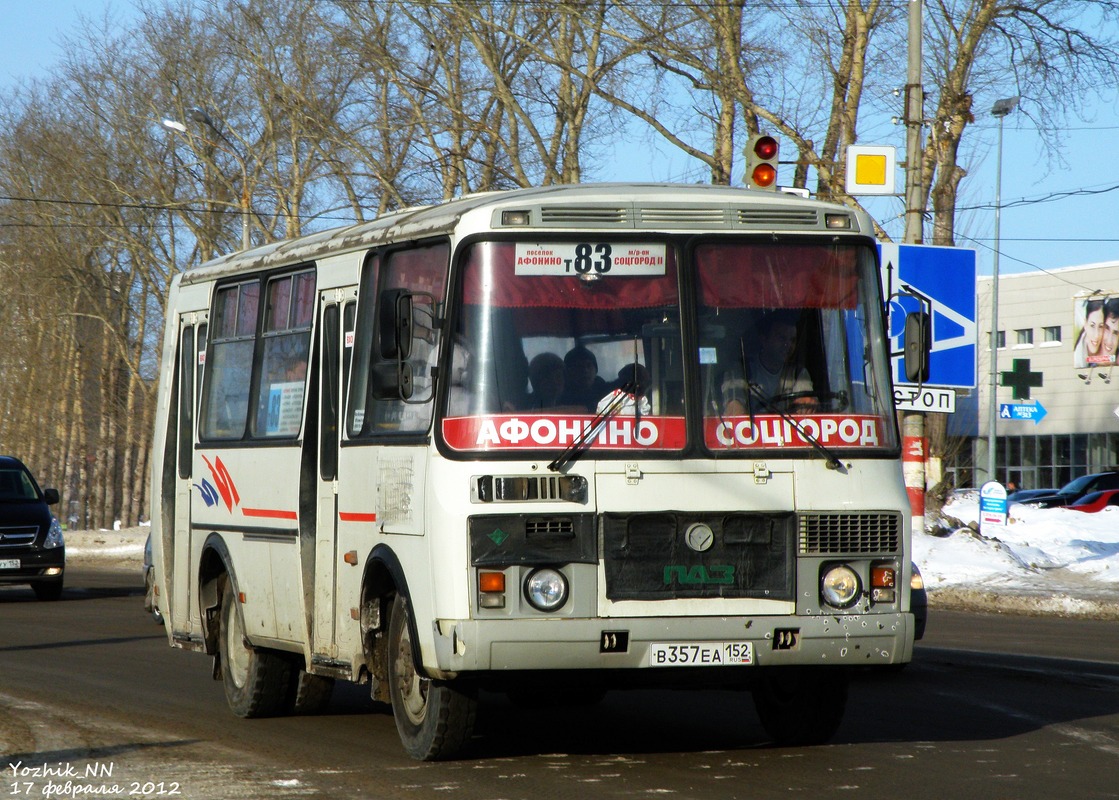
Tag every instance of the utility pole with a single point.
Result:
(914, 443)
(914, 121)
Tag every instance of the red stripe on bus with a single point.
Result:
(269, 513)
(350, 516)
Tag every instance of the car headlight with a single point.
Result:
(54, 536)
(546, 589)
(840, 586)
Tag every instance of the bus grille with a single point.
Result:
(549, 526)
(684, 217)
(734, 218)
(654, 556)
(836, 534)
(778, 216)
(584, 215)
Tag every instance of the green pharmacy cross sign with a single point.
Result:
(1021, 380)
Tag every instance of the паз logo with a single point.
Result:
(699, 574)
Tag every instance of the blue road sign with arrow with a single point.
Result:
(1029, 412)
(945, 275)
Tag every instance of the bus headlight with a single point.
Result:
(839, 586)
(546, 589)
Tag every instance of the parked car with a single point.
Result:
(1096, 501)
(1026, 495)
(1077, 488)
(149, 583)
(32, 549)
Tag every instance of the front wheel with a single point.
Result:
(48, 590)
(801, 705)
(257, 682)
(435, 720)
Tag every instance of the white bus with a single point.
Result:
(549, 442)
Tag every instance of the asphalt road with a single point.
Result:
(92, 700)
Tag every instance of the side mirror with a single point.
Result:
(918, 345)
(392, 380)
(50, 496)
(395, 328)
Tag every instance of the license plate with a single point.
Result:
(701, 654)
(9, 563)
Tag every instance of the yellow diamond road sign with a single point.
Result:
(870, 169)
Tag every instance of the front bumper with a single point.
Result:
(33, 565)
(866, 640)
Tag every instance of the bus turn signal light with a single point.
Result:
(491, 589)
(883, 584)
(491, 581)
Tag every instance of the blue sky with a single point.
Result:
(1034, 235)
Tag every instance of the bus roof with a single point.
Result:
(601, 206)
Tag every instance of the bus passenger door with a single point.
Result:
(178, 568)
(336, 336)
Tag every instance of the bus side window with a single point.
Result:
(286, 341)
(225, 403)
(421, 271)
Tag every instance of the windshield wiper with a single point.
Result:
(582, 443)
(830, 458)
(753, 390)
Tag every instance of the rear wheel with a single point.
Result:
(801, 705)
(435, 720)
(257, 682)
(311, 693)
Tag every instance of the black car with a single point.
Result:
(1028, 495)
(1077, 488)
(31, 546)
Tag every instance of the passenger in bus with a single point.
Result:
(296, 371)
(772, 370)
(630, 392)
(546, 376)
(583, 386)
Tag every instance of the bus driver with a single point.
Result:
(772, 370)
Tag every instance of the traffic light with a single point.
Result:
(761, 162)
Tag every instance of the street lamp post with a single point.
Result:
(1000, 110)
(200, 116)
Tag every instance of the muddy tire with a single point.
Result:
(47, 590)
(435, 719)
(310, 693)
(801, 706)
(258, 683)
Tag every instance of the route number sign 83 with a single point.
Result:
(568, 259)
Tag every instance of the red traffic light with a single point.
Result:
(765, 147)
(761, 162)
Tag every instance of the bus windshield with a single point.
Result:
(783, 346)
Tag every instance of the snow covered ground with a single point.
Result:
(1046, 561)
(118, 549)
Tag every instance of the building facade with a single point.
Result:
(1058, 332)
